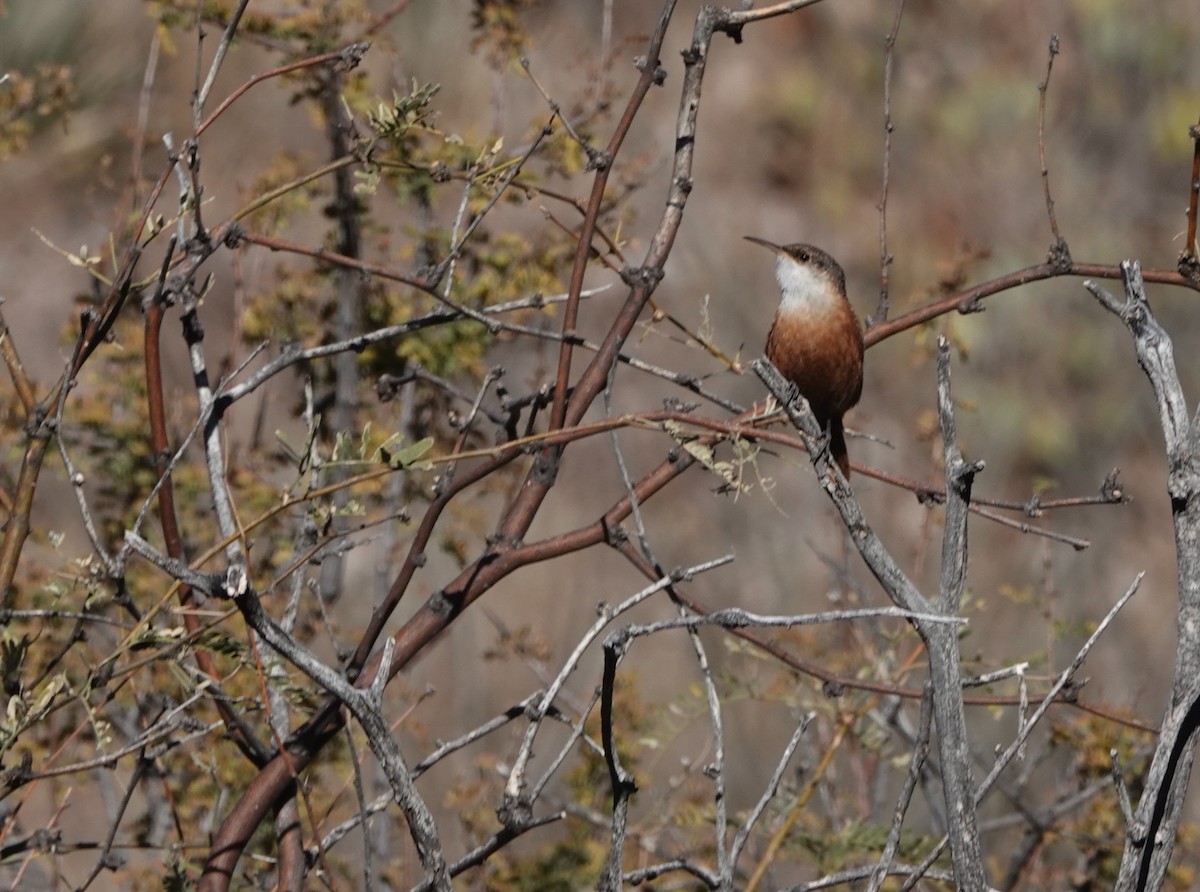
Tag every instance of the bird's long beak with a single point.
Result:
(770, 246)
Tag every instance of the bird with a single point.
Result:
(816, 340)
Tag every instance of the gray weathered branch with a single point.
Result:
(1148, 848)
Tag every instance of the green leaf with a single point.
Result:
(409, 458)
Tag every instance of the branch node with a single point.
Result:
(1111, 489)
(1189, 266)
(833, 689)
(237, 582)
(973, 305)
(1033, 508)
(599, 160)
(1059, 256)
(660, 75)
(351, 56)
(929, 497)
(233, 236)
(644, 276)
(515, 812)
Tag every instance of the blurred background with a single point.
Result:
(790, 148)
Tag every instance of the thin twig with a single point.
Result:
(969, 301)
(916, 763)
(16, 370)
(347, 58)
(743, 834)
(516, 776)
(1059, 253)
(218, 58)
(885, 259)
(1189, 259)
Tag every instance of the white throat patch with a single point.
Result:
(802, 288)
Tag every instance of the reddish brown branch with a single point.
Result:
(274, 780)
(968, 301)
(444, 607)
(885, 259)
(381, 21)
(650, 76)
(1059, 253)
(239, 729)
(346, 58)
(18, 527)
(326, 256)
(16, 370)
(96, 325)
(1189, 258)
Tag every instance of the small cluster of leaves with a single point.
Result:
(24, 709)
(29, 100)
(413, 167)
(731, 471)
(373, 449)
(393, 121)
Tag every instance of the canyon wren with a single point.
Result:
(816, 340)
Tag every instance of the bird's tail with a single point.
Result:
(837, 445)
